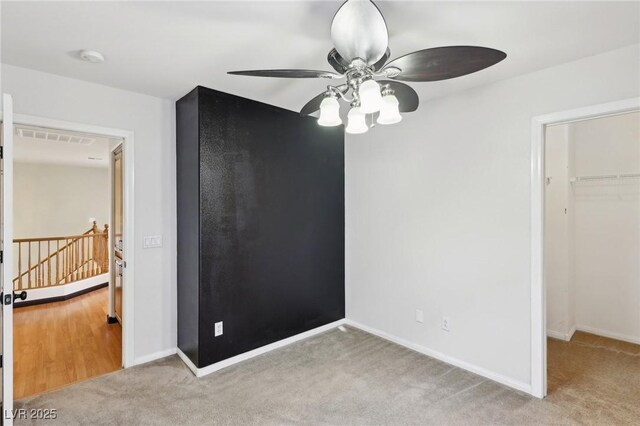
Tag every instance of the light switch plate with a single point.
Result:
(419, 315)
(152, 241)
(218, 329)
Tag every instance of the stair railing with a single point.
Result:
(51, 261)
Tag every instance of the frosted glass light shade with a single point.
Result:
(357, 121)
(329, 112)
(370, 97)
(389, 112)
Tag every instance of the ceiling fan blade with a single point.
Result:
(337, 62)
(378, 65)
(358, 30)
(288, 73)
(442, 63)
(314, 104)
(407, 97)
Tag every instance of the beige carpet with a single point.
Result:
(349, 377)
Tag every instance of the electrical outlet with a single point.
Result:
(446, 324)
(419, 316)
(218, 329)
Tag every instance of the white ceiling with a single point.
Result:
(167, 48)
(94, 152)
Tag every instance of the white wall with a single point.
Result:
(607, 227)
(558, 226)
(438, 213)
(55, 200)
(592, 273)
(153, 121)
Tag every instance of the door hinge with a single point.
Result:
(1, 256)
(0, 361)
(1, 152)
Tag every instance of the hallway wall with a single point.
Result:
(54, 200)
(152, 121)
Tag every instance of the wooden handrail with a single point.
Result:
(82, 256)
(68, 237)
(92, 230)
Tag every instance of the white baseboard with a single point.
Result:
(609, 334)
(199, 372)
(562, 336)
(571, 332)
(515, 384)
(65, 289)
(556, 335)
(187, 362)
(154, 356)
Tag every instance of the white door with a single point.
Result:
(118, 236)
(6, 303)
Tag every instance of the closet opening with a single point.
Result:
(591, 247)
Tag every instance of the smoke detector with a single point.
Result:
(91, 56)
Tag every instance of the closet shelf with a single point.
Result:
(597, 178)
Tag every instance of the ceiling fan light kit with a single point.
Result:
(370, 96)
(357, 121)
(389, 110)
(330, 112)
(360, 36)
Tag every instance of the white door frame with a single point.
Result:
(128, 222)
(538, 293)
(7, 263)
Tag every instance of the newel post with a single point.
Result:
(105, 248)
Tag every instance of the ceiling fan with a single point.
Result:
(359, 34)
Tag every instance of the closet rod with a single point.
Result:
(605, 177)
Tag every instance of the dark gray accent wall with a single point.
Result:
(188, 205)
(269, 224)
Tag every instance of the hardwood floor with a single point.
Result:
(56, 344)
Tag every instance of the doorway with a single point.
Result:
(548, 263)
(62, 196)
(592, 247)
(125, 139)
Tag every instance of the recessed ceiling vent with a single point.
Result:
(53, 136)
